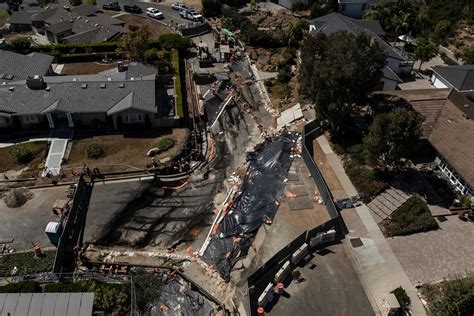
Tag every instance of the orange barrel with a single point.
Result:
(281, 288)
(260, 311)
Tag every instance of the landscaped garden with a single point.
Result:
(455, 297)
(412, 217)
(26, 155)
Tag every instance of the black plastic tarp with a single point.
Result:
(262, 189)
(176, 298)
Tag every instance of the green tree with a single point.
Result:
(134, 45)
(424, 51)
(392, 136)
(340, 72)
(211, 8)
(147, 287)
(14, 5)
(21, 45)
(93, 2)
(457, 299)
(468, 55)
(75, 2)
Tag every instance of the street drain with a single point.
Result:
(356, 242)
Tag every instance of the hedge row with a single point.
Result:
(55, 49)
(177, 83)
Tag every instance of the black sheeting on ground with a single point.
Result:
(178, 297)
(262, 190)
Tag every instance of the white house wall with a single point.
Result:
(439, 82)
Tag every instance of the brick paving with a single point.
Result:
(432, 256)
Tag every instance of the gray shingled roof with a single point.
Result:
(460, 77)
(133, 70)
(22, 66)
(21, 17)
(334, 22)
(84, 94)
(86, 23)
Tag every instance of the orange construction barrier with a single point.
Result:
(260, 311)
(281, 288)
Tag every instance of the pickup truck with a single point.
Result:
(190, 15)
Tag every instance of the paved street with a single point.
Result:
(374, 260)
(331, 288)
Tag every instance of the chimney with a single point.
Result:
(121, 67)
(36, 82)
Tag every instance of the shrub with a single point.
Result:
(173, 41)
(412, 217)
(284, 75)
(164, 144)
(21, 154)
(402, 297)
(95, 151)
(177, 84)
(21, 287)
(147, 287)
(457, 298)
(366, 180)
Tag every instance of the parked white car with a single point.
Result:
(154, 13)
(178, 6)
(190, 15)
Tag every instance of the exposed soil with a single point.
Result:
(155, 28)
(122, 153)
(39, 150)
(325, 169)
(463, 39)
(89, 68)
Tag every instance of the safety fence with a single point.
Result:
(262, 282)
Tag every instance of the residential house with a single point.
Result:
(288, 3)
(448, 125)
(14, 67)
(88, 101)
(459, 77)
(357, 8)
(395, 60)
(81, 24)
(20, 21)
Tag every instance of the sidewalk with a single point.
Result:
(377, 266)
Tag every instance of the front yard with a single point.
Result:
(122, 153)
(38, 153)
(88, 68)
(155, 28)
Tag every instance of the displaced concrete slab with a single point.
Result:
(292, 114)
(300, 203)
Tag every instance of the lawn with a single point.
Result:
(38, 149)
(155, 28)
(26, 262)
(4, 16)
(410, 218)
(88, 68)
(122, 153)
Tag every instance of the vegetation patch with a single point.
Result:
(412, 217)
(177, 84)
(402, 297)
(95, 151)
(455, 297)
(20, 156)
(165, 143)
(26, 263)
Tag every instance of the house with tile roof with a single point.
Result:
(448, 125)
(459, 77)
(396, 61)
(97, 101)
(81, 24)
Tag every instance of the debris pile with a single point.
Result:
(17, 197)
